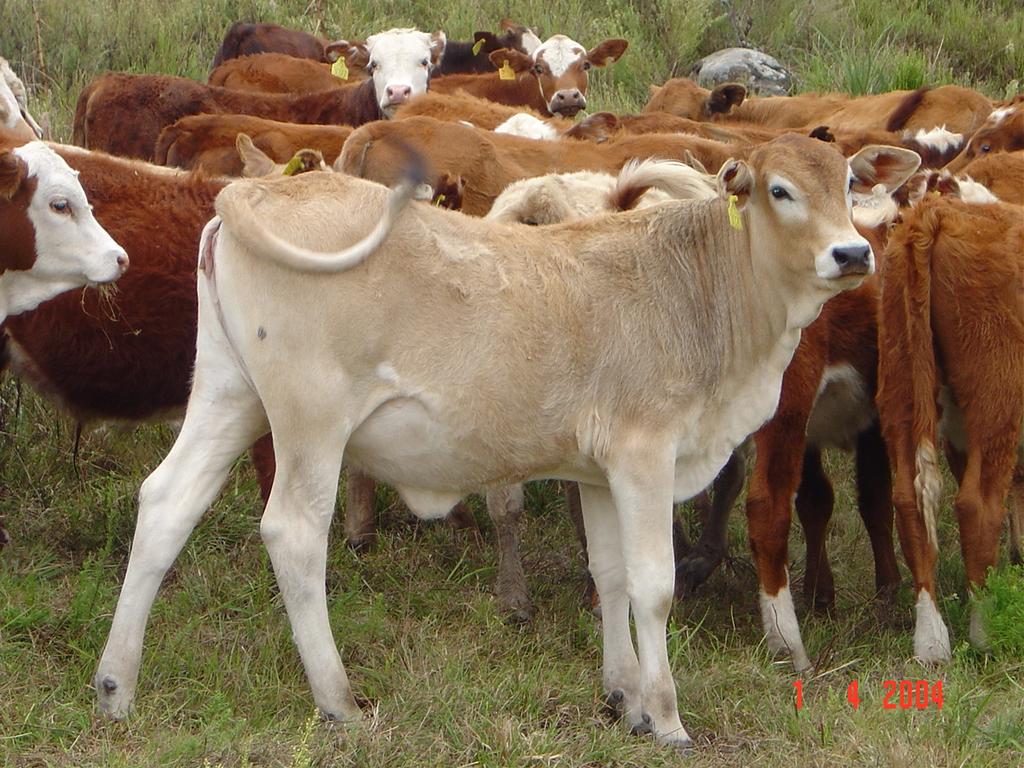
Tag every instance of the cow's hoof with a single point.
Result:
(643, 727)
(615, 704)
(693, 569)
(683, 746)
(112, 699)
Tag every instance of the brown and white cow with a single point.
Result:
(659, 393)
(552, 80)
(952, 291)
(124, 114)
(52, 243)
(1002, 131)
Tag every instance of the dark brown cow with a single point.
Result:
(952, 331)
(246, 39)
(207, 142)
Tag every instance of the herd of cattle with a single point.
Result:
(629, 342)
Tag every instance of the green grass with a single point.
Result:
(445, 680)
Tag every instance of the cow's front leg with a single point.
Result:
(642, 479)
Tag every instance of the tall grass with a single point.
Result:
(863, 46)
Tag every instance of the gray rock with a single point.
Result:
(760, 73)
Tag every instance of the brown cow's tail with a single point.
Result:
(905, 109)
(79, 130)
(164, 152)
(907, 317)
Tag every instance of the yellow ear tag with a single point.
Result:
(478, 46)
(506, 72)
(734, 213)
(439, 200)
(293, 167)
(339, 69)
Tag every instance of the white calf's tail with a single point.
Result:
(677, 180)
(245, 224)
(928, 487)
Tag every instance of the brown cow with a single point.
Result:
(489, 162)
(245, 39)
(952, 330)
(279, 73)
(957, 109)
(207, 142)
(1002, 173)
(124, 114)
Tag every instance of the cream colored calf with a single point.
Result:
(433, 354)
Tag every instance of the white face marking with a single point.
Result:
(528, 127)
(560, 53)
(781, 628)
(939, 139)
(931, 638)
(400, 60)
(72, 249)
(998, 115)
(973, 192)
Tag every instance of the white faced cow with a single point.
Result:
(51, 242)
(399, 61)
(677, 327)
(560, 65)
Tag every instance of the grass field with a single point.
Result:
(444, 679)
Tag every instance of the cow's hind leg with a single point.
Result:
(505, 507)
(308, 448)
(224, 417)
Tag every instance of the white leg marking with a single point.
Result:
(781, 628)
(931, 638)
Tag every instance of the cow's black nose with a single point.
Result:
(853, 259)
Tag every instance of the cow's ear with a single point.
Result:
(12, 174)
(486, 40)
(879, 164)
(254, 162)
(725, 97)
(517, 60)
(607, 52)
(355, 53)
(598, 128)
(438, 42)
(736, 179)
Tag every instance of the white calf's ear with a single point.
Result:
(880, 164)
(736, 179)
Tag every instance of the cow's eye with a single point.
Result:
(780, 193)
(986, 147)
(538, 69)
(425, 62)
(370, 66)
(587, 65)
(61, 206)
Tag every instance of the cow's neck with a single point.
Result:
(21, 291)
(349, 106)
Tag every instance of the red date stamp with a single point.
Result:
(896, 694)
